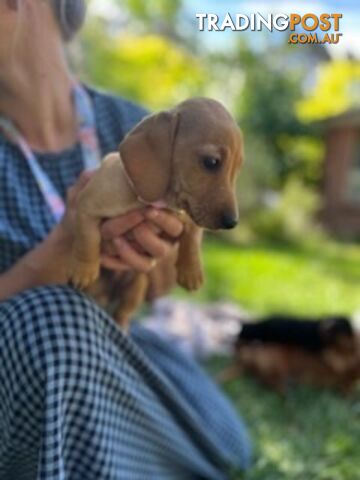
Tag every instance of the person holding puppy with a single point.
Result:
(78, 398)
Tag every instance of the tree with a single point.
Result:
(266, 107)
(147, 68)
(337, 89)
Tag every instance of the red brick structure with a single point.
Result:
(342, 174)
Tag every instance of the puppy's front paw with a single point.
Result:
(190, 278)
(82, 274)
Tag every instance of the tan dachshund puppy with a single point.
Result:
(186, 158)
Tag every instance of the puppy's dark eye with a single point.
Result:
(211, 163)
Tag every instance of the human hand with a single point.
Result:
(139, 239)
(136, 240)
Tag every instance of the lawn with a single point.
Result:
(267, 278)
(312, 434)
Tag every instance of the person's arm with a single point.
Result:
(46, 264)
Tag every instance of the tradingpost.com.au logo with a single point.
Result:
(314, 28)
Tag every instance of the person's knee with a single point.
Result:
(47, 325)
(45, 305)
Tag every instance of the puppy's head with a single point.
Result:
(337, 333)
(189, 157)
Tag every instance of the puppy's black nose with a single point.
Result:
(228, 220)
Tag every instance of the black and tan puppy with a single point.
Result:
(312, 334)
(280, 351)
(187, 159)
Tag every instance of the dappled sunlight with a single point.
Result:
(310, 434)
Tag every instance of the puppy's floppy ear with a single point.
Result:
(147, 153)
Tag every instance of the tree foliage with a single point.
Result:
(148, 68)
(266, 107)
(337, 89)
(154, 11)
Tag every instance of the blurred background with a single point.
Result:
(297, 247)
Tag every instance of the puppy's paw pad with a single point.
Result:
(83, 274)
(190, 279)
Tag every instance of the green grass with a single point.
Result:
(274, 279)
(311, 434)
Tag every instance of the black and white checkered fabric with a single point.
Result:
(78, 399)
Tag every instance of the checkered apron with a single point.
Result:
(78, 399)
